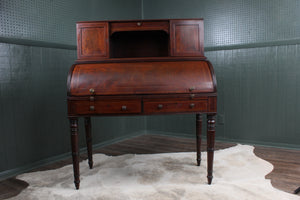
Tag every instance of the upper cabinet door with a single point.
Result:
(187, 37)
(92, 41)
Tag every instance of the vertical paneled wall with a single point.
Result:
(259, 89)
(32, 108)
(254, 47)
(38, 46)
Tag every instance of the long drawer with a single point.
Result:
(139, 26)
(170, 106)
(105, 107)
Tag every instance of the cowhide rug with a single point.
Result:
(238, 174)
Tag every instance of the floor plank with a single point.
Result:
(285, 175)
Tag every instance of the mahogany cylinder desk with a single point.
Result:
(141, 67)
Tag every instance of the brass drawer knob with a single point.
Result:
(139, 24)
(92, 98)
(192, 96)
(92, 108)
(192, 105)
(192, 88)
(160, 106)
(92, 90)
(124, 108)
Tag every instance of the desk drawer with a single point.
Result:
(105, 107)
(139, 26)
(175, 106)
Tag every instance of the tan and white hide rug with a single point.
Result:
(238, 174)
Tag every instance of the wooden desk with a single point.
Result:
(141, 68)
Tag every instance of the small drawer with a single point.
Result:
(110, 107)
(105, 107)
(139, 26)
(175, 106)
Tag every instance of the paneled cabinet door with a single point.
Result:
(92, 41)
(187, 37)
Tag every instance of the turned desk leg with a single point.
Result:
(210, 145)
(88, 135)
(75, 149)
(198, 137)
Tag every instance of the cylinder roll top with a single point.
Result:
(141, 78)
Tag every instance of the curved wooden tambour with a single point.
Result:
(141, 78)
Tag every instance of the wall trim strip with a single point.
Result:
(211, 48)
(254, 45)
(36, 43)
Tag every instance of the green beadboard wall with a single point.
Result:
(254, 48)
(37, 48)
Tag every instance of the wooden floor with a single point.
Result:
(285, 176)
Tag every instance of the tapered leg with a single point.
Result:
(297, 190)
(210, 145)
(198, 137)
(88, 135)
(75, 149)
